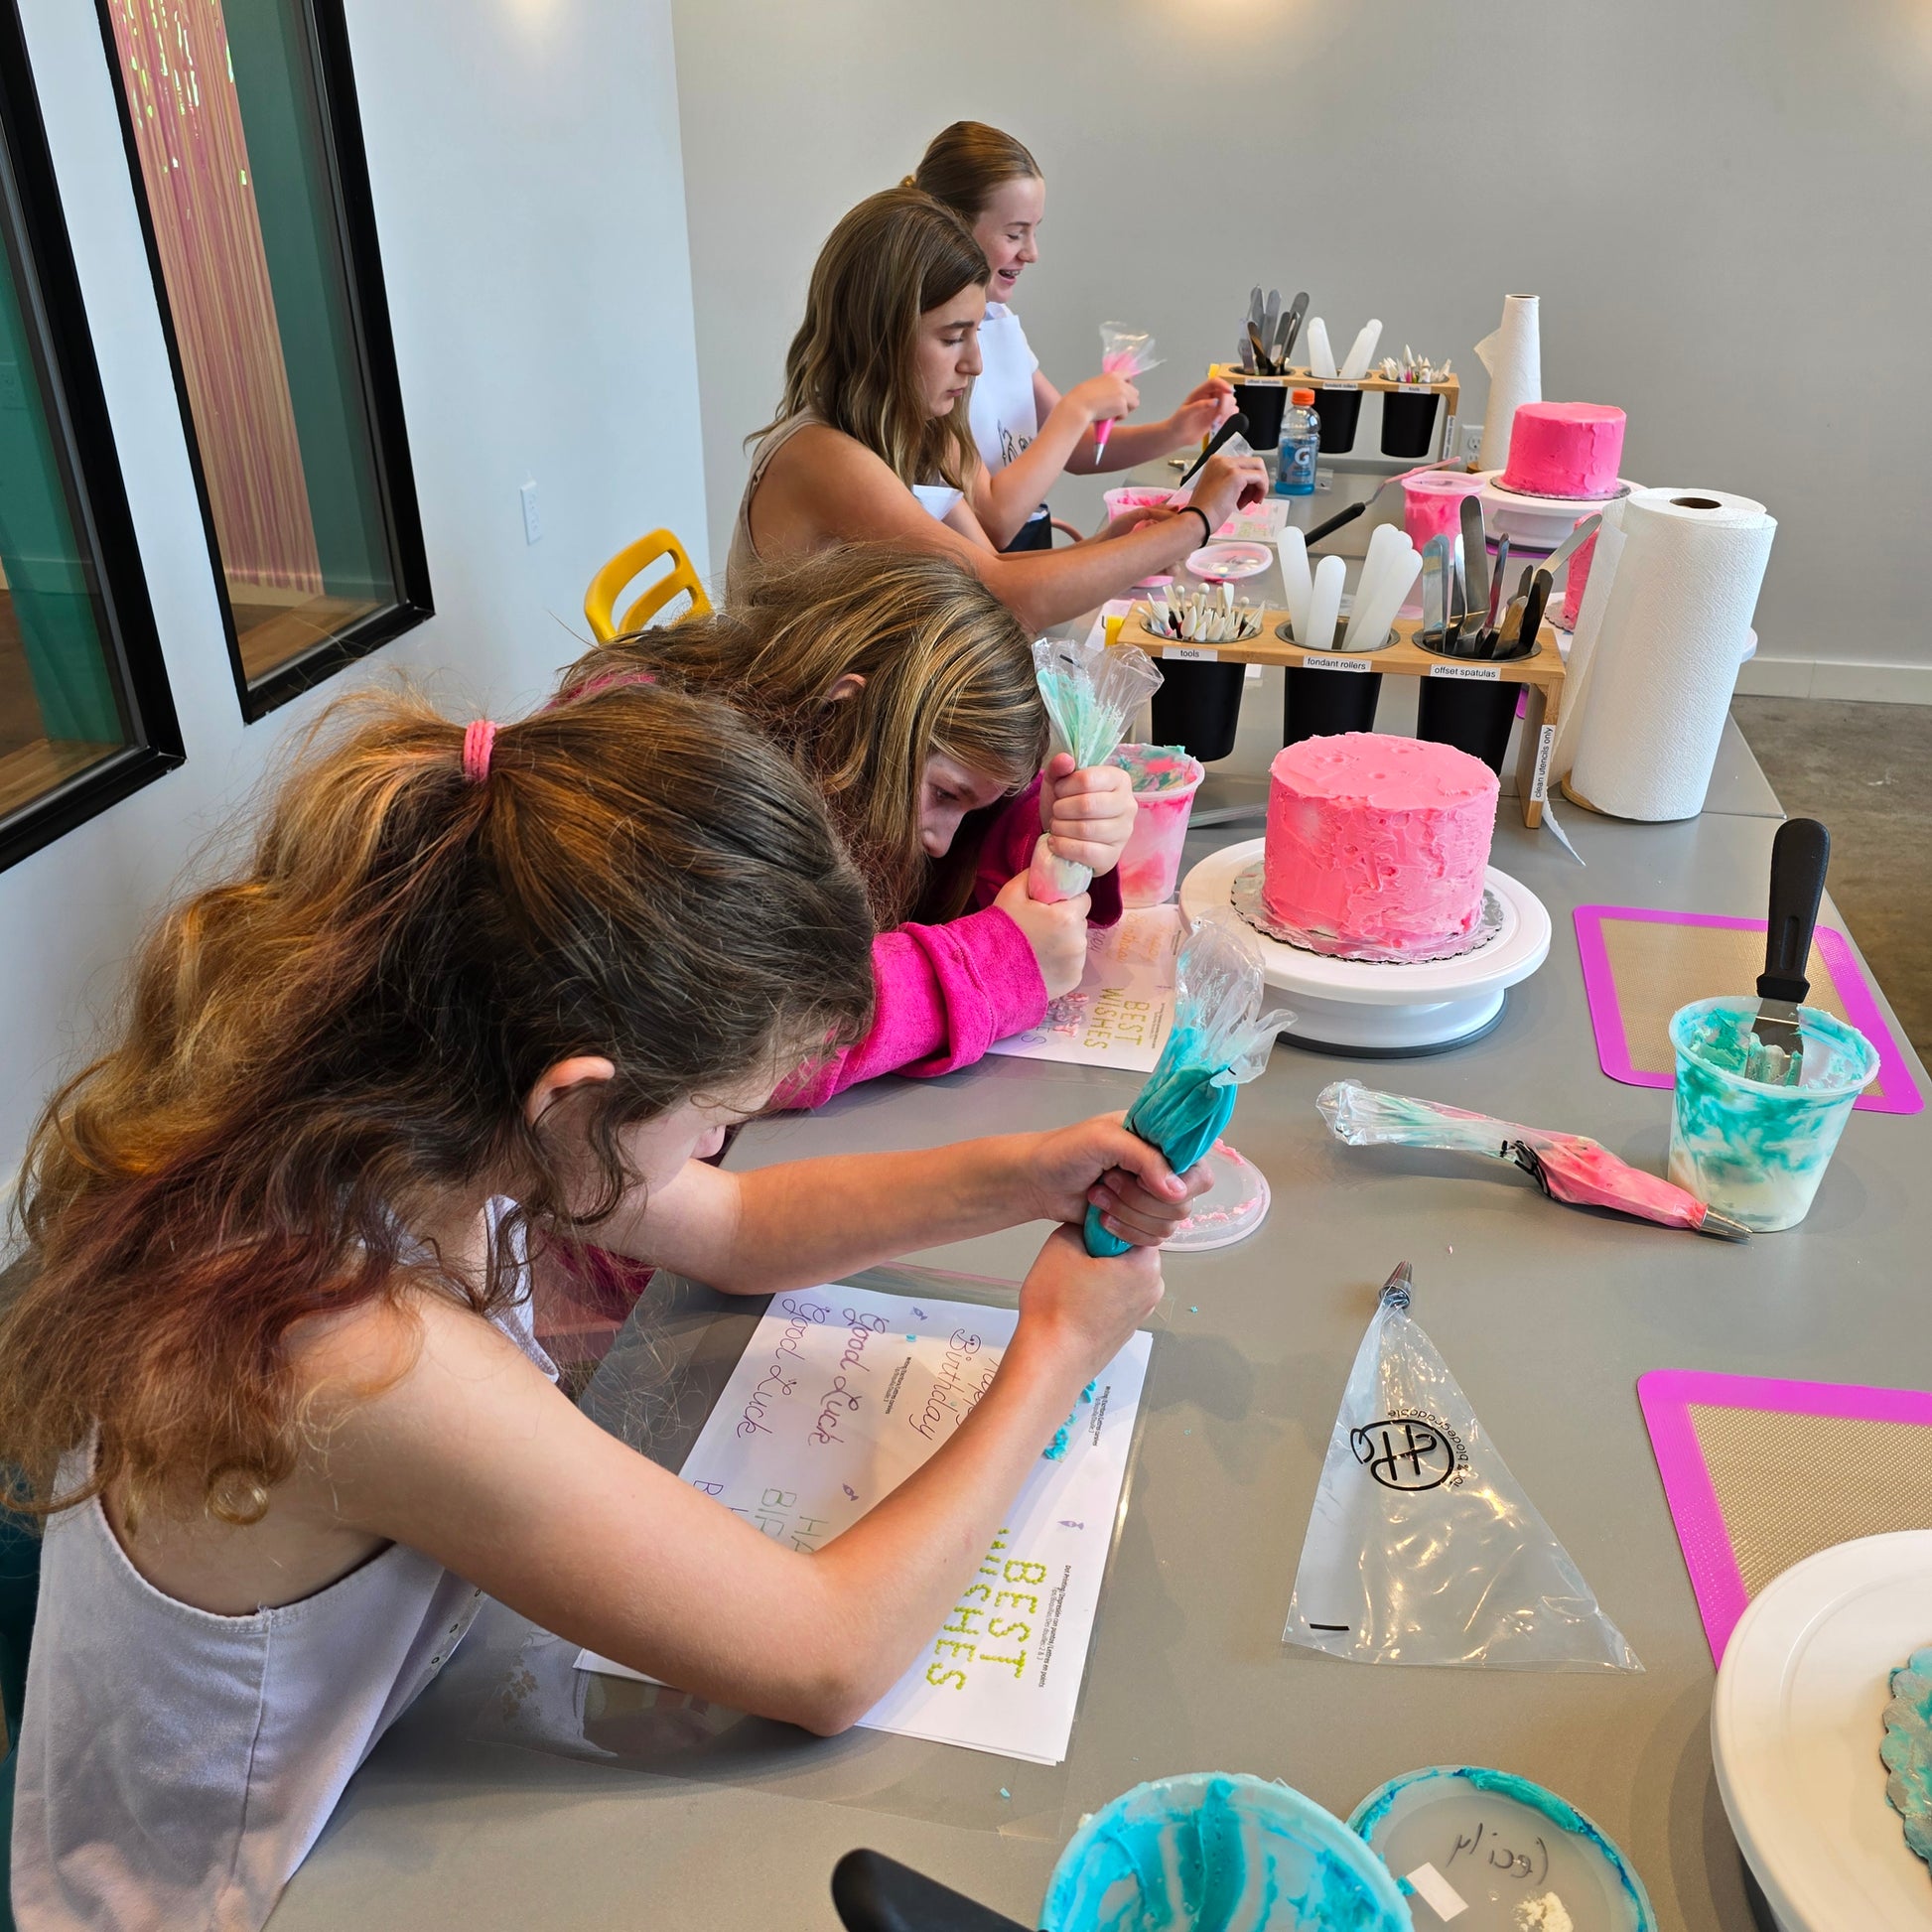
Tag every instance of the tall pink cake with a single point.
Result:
(1377, 845)
(1565, 449)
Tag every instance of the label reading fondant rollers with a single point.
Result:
(1313, 663)
(1192, 653)
(1479, 673)
(1546, 740)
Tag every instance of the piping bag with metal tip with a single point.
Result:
(1567, 1167)
(1123, 352)
(1092, 694)
(1422, 1547)
(1220, 1039)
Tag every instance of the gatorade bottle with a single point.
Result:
(1300, 437)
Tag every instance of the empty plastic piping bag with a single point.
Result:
(1568, 1167)
(1092, 694)
(1220, 1040)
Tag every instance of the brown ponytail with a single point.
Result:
(964, 162)
(320, 1050)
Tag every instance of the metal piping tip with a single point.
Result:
(1394, 1291)
(1721, 1227)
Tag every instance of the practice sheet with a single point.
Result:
(840, 1395)
(1120, 1012)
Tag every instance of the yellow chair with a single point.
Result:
(601, 599)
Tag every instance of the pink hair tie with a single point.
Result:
(477, 737)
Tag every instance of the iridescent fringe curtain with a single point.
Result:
(187, 131)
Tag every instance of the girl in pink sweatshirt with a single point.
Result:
(905, 689)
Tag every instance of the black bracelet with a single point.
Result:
(1206, 528)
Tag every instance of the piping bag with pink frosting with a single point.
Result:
(1123, 352)
(1566, 1167)
(1092, 694)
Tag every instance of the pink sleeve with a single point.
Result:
(945, 994)
(1006, 851)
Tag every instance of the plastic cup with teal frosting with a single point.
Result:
(1755, 1150)
(1220, 1851)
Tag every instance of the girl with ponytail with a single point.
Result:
(271, 1377)
(1025, 431)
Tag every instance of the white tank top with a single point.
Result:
(175, 1765)
(1003, 416)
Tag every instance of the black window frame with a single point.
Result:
(346, 163)
(69, 378)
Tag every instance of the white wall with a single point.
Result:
(1723, 204)
(525, 163)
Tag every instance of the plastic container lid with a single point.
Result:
(1503, 1852)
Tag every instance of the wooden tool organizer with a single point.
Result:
(1449, 387)
(1542, 672)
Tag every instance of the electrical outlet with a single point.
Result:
(532, 522)
(1471, 442)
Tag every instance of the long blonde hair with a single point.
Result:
(893, 258)
(964, 162)
(946, 669)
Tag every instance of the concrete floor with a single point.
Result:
(1865, 770)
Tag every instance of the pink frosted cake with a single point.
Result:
(1377, 845)
(1565, 449)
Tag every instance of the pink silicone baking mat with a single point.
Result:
(1762, 1473)
(1640, 966)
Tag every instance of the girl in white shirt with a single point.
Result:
(1027, 431)
(271, 1375)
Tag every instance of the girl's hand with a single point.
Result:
(1104, 397)
(1089, 814)
(1085, 1309)
(1130, 521)
(1057, 934)
(1099, 1164)
(1202, 411)
(1227, 484)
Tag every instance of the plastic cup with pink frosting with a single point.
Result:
(1432, 503)
(1164, 779)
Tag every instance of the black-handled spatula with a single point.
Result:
(1800, 852)
(874, 1893)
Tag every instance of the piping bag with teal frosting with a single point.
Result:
(1092, 694)
(1220, 1039)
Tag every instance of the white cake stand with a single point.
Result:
(1381, 1011)
(1539, 524)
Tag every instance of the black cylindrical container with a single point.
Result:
(1262, 403)
(1408, 417)
(1473, 716)
(1318, 703)
(1197, 707)
(1339, 411)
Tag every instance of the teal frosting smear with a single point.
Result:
(1220, 1851)
(1907, 1749)
(1063, 1434)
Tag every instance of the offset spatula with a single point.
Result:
(873, 1893)
(1800, 852)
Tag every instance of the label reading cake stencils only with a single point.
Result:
(1480, 673)
(1192, 653)
(1313, 663)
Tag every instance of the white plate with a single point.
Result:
(1228, 562)
(1378, 1009)
(1795, 1729)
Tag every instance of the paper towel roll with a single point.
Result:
(1664, 657)
(1609, 543)
(1513, 356)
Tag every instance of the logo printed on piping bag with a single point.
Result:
(1419, 1452)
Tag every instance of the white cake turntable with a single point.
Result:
(1374, 1011)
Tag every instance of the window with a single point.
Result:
(243, 133)
(84, 711)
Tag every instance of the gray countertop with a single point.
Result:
(1547, 1315)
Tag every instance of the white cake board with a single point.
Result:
(1372, 1011)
